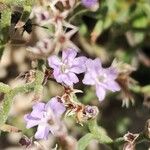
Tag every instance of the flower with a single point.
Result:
(91, 4)
(103, 79)
(130, 140)
(65, 70)
(43, 48)
(46, 117)
(63, 38)
(41, 15)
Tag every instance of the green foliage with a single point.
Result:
(84, 141)
(10, 93)
(5, 20)
(114, 20)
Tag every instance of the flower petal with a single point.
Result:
(73, 77)
(69, 55)
(100, 92)
(65, 78)
(79, 65)
(31, 121)
(57, 75)
(42, 132)
(88, 80)
(54, 61)
(93, 64)
(112, 72)
(38, 109)
(112, 86)
(57, 107)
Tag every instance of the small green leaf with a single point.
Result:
(99, 132)
(84, 141)
(141, 22)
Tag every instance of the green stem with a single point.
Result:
(4, 88)
(10, 93)
(18, 2)
(78, 14)
(140, 89)
(98, 132)
(84, 141)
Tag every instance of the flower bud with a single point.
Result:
(25, 141)
(129, 146)
(93, 5)
(130, 139)
(90, 112)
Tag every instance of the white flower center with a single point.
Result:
(102, 78)
(64, 68)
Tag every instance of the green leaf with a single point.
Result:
(8, 99)
(83, 30)
(5, 24)
(84, 141)
(99, 132)
(5, 18)
(140, 22)
(98, 27)
(4, 88)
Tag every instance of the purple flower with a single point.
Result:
(46, 117)
(91, 4)
(102, 78)
(65, 69)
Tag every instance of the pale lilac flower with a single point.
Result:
(58, 19)
(65, 69)
(63, 38)
(43, 47)
(46, 117)
(91, 4)
(41, 15)
(102, 78)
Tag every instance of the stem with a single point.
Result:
(4, 88)
(10, 93)
(18, 2)
(84, 141)
(98, 132)
(77, 14)
(7, 102)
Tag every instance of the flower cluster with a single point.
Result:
(65, 71)
(51, 17)
(41, 15)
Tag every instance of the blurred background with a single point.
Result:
(119, 29)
